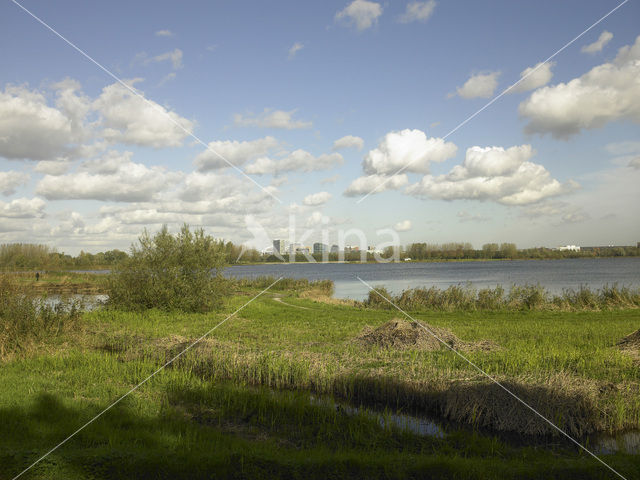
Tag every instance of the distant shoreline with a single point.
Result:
(101, 270)
(432, 260)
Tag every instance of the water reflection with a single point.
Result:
(628, 442)
(87, 302)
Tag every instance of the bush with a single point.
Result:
(181, 272)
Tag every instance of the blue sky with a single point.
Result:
(84, 164)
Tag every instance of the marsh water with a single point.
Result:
(554, 275)
(601, 443)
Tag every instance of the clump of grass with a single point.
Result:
(456, 297)
(619, 296)
(490, 298)
(378, 298)
(25, 319)
(519, 297)
(528, 297)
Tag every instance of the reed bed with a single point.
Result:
(27, 319)
(519, 297)
(324, 287)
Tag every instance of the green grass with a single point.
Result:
(238, 406)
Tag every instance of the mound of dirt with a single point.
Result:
(403, 334)
(631, 341)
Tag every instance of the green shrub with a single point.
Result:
(181, 272)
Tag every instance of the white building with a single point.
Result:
(569, 248)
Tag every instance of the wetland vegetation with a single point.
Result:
(243, 403)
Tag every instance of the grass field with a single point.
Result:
(241, 403)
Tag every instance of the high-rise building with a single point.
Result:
(280, 246)
(319, 248)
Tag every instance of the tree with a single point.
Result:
(181, 272)
(489, 250)
(508, 250)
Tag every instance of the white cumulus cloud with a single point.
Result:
(23, 208)
(380, 183)
(363, 14)
(271, 119)
(295, 48)
(57, 166)
(480, 85)
(597, 46)
(408, 149)
(348, 141)
(418, 12)
(298, 160)
(235, 152)
(31, 129)
(607, 93)
(494, 173)
(316, 199)
(130, 119)
(402, 226)
(72, 224)
(164, 33)
(113, 178)
(11, 180)
(534, 77)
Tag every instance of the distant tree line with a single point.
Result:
(494, 251)
(25, 256)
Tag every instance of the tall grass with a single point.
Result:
(26, 319)
(286, 284)
(519, 297)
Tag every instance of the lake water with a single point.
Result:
(555, 275)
